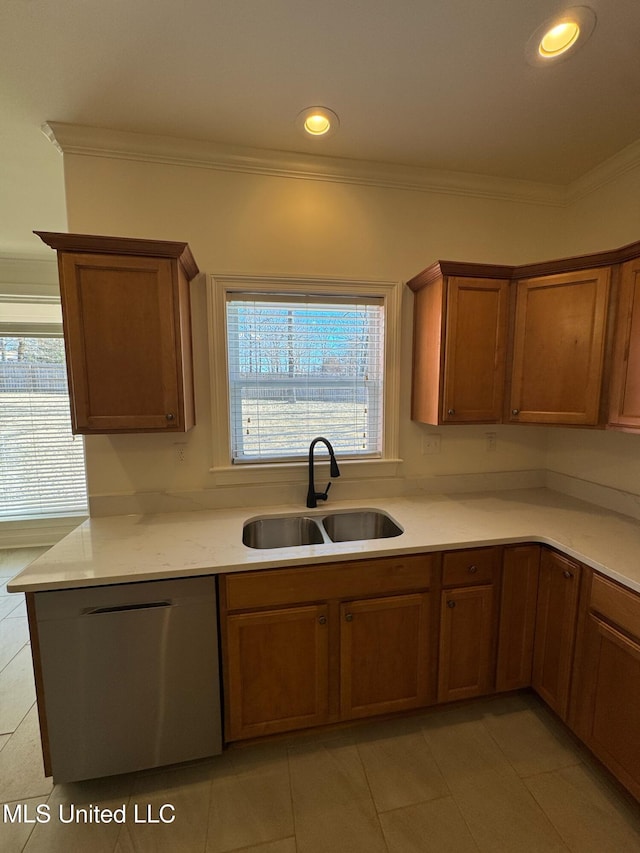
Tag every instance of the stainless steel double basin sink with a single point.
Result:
(285, 531)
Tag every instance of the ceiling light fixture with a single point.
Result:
(561, 36)
(318, 121)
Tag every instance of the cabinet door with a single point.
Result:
(624, 409)
(475, 341)
(558, 352)
(517, 616)
(123, 340)
(556, 617)
(609, 696)
(466, 643)
(276, 670)
(384, 655)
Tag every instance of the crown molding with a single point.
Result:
(102, 142)
(28, 276)
(610, 170)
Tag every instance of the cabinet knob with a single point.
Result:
(169, 416)
(349, 617)
(451, 603)
(567, 574)
(322, 620)
(451, 411)
(515, 411)
(472, 569)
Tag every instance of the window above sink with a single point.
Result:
(374, 304)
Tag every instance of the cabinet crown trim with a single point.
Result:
(95, 244)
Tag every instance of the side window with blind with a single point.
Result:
(42, 471)
(300, 366)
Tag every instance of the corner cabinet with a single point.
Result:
(127, 330)
(558, 348)
(460, 337)
(624, 409)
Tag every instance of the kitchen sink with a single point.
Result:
(277, 531)
(281, 532)
(361, 524)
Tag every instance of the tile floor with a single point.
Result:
(497, 775)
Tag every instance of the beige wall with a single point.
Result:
(245, 223)
(606, 218)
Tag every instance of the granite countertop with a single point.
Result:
(124, 549)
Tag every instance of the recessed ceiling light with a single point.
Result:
(558, 39)
(318, 121)
(561, 36)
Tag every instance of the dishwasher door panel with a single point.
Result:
(130, 676)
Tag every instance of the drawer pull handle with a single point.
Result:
(451, 603)
(515, 411)
(567, 574)
(169, 416)
(349, 617)
(322, 620)
(473, 569)
(451, 411)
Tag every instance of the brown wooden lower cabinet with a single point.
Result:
(384, 655)
(277, 670)
(296, 664)
(518, 602)
(556, 615)
(466, 661)
(606, 695)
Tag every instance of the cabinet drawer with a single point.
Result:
(247, 590)
(471, 566)
(616, 604)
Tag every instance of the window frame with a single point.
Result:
(218, 287)
(44, 329)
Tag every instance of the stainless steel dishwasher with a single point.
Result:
(129, 676)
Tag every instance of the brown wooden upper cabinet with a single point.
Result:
(558, 347)
(624, 409)
(460, 336)
(127, 330)
(551, 330)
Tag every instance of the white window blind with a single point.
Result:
(303, 366)
(42, 469)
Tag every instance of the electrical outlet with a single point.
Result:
(430, 444)
(492, 441)
(180, 448)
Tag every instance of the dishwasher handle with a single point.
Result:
(123, 608)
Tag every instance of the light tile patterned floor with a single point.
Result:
(500, 774)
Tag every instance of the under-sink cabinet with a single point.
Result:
(317, 644)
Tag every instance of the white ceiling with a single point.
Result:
(442, 84)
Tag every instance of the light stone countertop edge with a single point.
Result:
(127, 549)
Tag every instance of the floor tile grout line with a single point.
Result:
(451, 793)
(525, 786)
(373, 799)
(293, 810)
